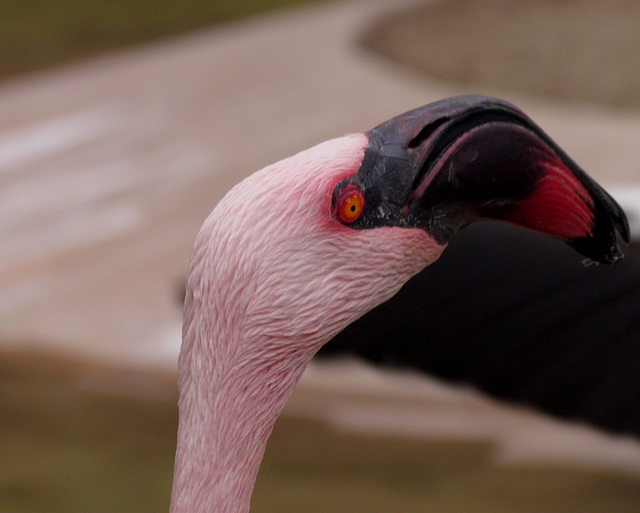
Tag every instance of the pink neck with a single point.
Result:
(226, 417)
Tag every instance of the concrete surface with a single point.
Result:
(108, 167)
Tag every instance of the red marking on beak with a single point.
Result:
(559, 206)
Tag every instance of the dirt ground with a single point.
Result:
(80, 438)
(570, 50)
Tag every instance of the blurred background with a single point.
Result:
(121, 126)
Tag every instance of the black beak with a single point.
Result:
(445, 165)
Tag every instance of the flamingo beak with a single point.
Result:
(450, 163)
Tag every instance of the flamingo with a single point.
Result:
(303, 248)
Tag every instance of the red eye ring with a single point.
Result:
(349, 204)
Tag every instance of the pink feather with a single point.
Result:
(273, 277)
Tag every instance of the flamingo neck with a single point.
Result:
(227, 412)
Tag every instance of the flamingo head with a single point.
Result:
(318, 239)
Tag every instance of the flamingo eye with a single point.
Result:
(350, 206)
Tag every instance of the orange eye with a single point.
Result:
(351, 207)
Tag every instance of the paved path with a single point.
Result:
(108, 168)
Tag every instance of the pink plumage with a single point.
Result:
(279, 268)
(273, 277)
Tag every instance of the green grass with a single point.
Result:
(308, 467)
(38, 34)
(68, 447)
